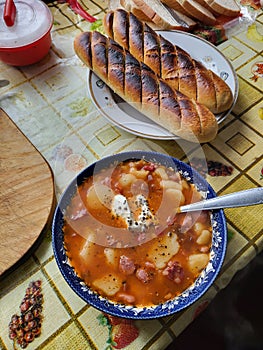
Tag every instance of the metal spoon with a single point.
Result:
(237, 199)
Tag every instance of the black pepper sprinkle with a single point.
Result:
(24, 328)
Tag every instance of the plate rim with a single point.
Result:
(120, 125)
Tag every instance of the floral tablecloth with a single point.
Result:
(50, 104)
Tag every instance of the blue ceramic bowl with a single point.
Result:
(190, 295)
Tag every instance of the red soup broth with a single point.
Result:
(148, 259)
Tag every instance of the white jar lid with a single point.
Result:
(33, 20)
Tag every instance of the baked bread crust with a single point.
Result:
(130, 6)
(224, 7)
(198, 11)
(176, 6)
(161, 15)
(170, 62)
(166, 18)
(138, 85)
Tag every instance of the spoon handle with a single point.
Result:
(237, 199)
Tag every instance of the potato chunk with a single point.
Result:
(108, 284)
(204, 237)
(198, 227)
(140, 174)
(197, 262)
(171, 184)
(163, 250)
(86, 250)
(112, 257)
(175, 197)
(162, 173)
(99, 196)
(127, 179)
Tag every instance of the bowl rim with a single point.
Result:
(186, 298)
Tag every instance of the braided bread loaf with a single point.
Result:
(175, 66)
(138, 85)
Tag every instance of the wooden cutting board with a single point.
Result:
(27, 197)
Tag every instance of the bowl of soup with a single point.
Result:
(122, 244)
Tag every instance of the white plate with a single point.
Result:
(126, 117)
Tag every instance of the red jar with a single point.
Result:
(28, 40)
